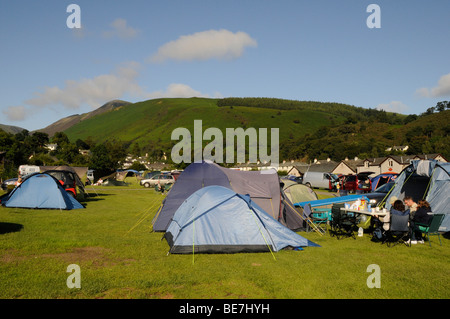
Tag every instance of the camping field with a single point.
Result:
(119, 257)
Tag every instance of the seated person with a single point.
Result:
(421, 216)
(412, 206)
(398, 208)
(384, 220)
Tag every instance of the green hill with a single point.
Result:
(152, 122)
(307, 129)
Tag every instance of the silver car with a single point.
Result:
(6, 183)
(161, 179)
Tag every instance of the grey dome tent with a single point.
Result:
(298, 192)
(263, 187)
(429, 180)
(215, 219)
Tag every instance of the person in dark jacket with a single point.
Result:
(421, 216)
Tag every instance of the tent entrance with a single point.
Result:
(415, 186)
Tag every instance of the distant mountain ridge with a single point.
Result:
(11, 128)
(69, 121)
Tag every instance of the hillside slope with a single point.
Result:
(152, 122)
(307, 129)
(67, 122)
(11, 128)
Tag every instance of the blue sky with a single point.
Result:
(139, 50)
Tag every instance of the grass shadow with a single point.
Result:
(6, 228)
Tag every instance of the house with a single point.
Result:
(402, 148)
(347, 166)
(295, 171)
(393, 163)
(51, 147)
(325, 166)
(85, 152)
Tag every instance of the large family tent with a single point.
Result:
(194, 177)
(429, 180)
(216, 219)
(40, 191)
(263, 187)
(298, 192)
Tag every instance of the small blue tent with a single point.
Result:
(215, 219)
(40, 191)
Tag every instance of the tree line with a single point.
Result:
(352, 113)
(30, 148)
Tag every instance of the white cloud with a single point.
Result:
(96, 91)
(179, 90)
(218, 44)
(394, 106)
(442, 89)
(93, 92)
(121, 30)
(15, 113)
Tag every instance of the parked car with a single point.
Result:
(8, 182)
(161, 179)
(67, 180)
(356, 183)
(297, 179)
(149, 175)
(319, 180)
(379, 194)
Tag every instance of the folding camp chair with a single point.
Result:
(342, 223)
(315, 220)
(432, 228)
(399, 230)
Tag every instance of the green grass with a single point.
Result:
(120, 258)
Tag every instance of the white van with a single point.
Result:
(319, 180)
(24, 170)
(90, 175)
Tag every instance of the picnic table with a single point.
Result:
(365, 211)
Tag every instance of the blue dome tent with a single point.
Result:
(215, 219)
(40, 191)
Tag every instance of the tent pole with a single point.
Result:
(193, 241)
(259, 228)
